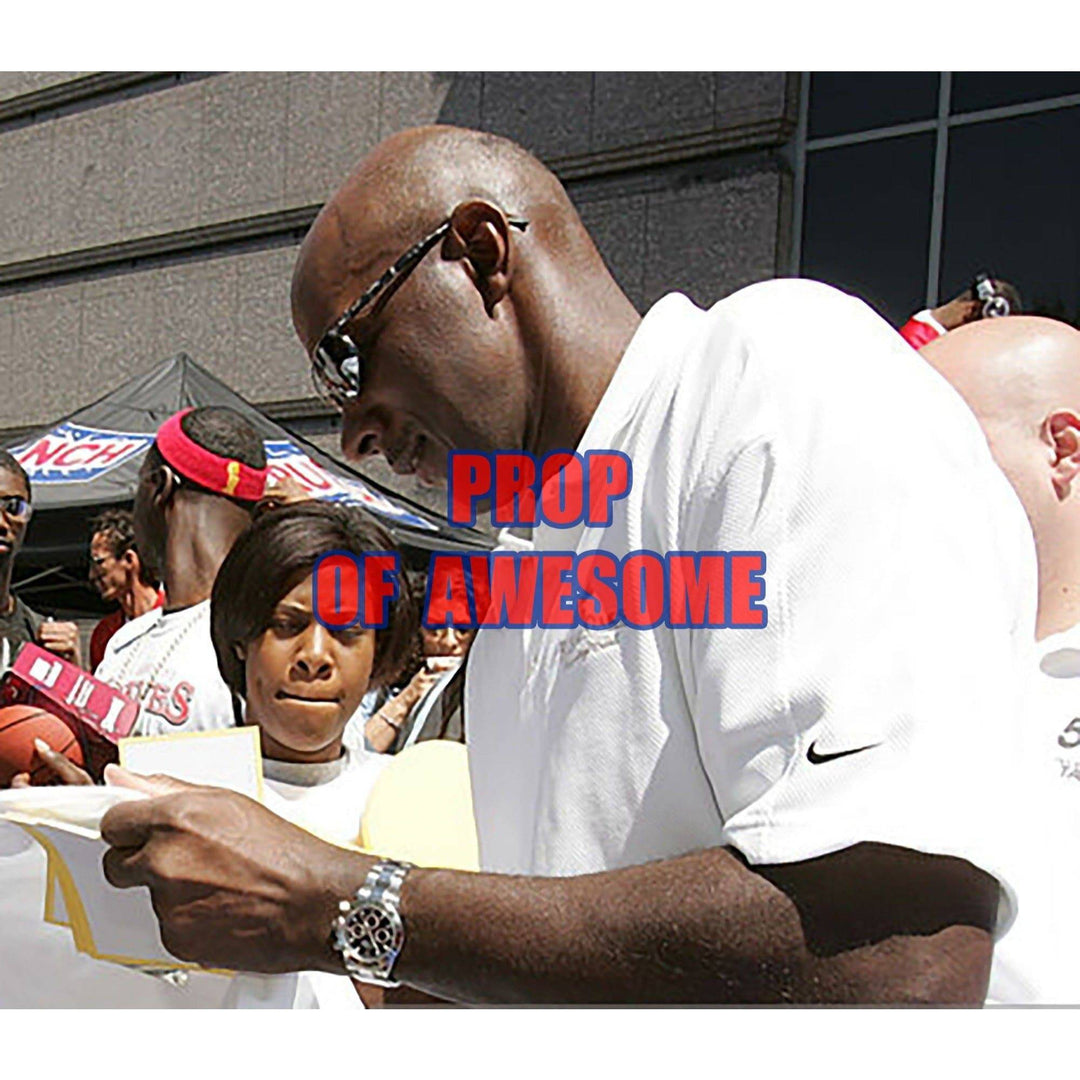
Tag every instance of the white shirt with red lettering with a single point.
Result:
(166, 662)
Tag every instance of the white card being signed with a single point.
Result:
(228, 759)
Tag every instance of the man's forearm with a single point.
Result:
(700, 928)
(867, 923)
(670, 931)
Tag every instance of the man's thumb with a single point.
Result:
(117, 776)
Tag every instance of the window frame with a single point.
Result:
(941, 125)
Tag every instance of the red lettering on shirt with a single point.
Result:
(181, 697)
(158, 703)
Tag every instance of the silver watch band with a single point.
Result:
(369, 933)
(383, 882)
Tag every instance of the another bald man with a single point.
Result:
(769, 815)
(1021, 377)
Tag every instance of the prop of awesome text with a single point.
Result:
(593, 588)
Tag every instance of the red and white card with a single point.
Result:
(98, 714)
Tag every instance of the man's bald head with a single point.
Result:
(460, 354)
(1013, 373)
(407, 186)
(1021, 378)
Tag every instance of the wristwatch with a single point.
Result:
(369, 933)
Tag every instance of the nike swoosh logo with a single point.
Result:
(819, 759)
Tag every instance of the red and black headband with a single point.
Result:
(222, 475)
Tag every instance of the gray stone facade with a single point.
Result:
(146, 213)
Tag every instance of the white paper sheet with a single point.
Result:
(230, 758)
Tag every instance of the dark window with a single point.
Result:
(843, 102)
(867, 221)
(974, 90)
(1013, 208)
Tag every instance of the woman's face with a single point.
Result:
(446, 641)
(303, 681)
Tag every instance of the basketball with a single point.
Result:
(20, 725)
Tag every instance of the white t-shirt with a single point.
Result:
(166, 662)
(900, 588)
(327, 800)
(1038, 962)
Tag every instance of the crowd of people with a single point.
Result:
(162, 655)
(821, 810)
(215, 627)
(18, 623)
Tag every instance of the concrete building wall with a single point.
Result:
(146, 213)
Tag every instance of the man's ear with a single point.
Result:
(130, 560)
(166, 484)
(480, 234)
(1061, 429)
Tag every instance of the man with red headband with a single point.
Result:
(197, 487)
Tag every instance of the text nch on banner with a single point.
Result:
(286, 460)
(72, 454)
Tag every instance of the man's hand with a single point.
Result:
(382, 728)
(233, 885)
(958, 312)
(63, 770)
(285, 491)
(61, 638)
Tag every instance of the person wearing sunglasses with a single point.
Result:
(19, 623)
(1021, 378)
(804, 812)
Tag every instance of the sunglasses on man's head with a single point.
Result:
(337, 365)
(15, 507)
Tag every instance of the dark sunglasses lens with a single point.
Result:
(338, 365)
(15, 506)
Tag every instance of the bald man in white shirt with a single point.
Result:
(664, 814)
(1021, 377)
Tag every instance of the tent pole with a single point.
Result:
(35, 577)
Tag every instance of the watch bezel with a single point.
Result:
(381, 960)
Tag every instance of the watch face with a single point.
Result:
(371, 934)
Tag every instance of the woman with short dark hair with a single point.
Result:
(292, 677)
(275, 553)
(300, 683)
